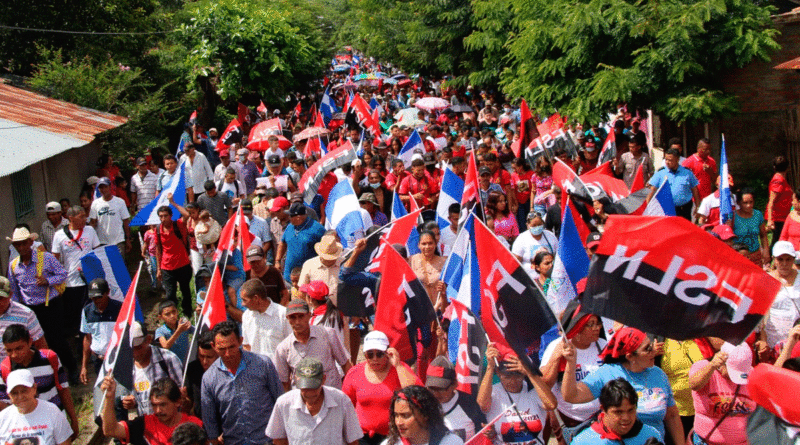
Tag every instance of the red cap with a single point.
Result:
(279, 203)
(317, 290)
(224, 153)
(724, 232)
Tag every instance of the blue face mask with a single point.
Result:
(376, 185)
(536, 230)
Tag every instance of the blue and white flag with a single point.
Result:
(356, 60)
(177, 186)
(322, 147)
(662, 203)
(97, 193)
(451, 190)
(725, 207)
(344, 214)
(327, 107)
(360, 149)
(570, 265)
(460, 272)
(106, 262)
(374, 103)
(411, 146)
(399, 211)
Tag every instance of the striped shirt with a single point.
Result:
(145, 188)
(48, 373)
(19, 314)
(48, 231)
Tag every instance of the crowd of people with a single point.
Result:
(284, 367)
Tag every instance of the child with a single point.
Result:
(294, 275)
(207, 232)
(173, 334)
(149, 251)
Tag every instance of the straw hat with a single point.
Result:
(328, 248)
(22, 234)
(207, 232)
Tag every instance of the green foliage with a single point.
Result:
(585, 57)
(251, 48)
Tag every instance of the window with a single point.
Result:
(22, 190)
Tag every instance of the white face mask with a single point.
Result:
(537, 230)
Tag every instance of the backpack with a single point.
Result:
(177, 231)
(60, 288)
(235, 184)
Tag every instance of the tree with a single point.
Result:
(586, 57)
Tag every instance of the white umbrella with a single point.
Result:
(431, 103)
(406, 114)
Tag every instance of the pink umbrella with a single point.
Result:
(310, 132)
(431, 103)
(259, 134)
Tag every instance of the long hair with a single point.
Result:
(423, 405)
(332, 316)
(491, 204)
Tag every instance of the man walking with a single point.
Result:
(109, 216)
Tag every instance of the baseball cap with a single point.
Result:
(224, 153)
(368, 197)
(429, 158)
(739, 362)
(247, 205)
(98, 287)
(103, 181)
(5, 287)
(141, 160)
(316, 289)
(138, 333)
(52, 207)
(19, 377)
(484, 171)
(441, 373)
(297, 209)
(278, 203)
(274, 160)
(593, 240)
(783, 248)
(723, 231)
(376, 341)
(243, 152)
(254, 252)
(297, 306)
(308, 373)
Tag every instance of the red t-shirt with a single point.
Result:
(501, 177)
(391, 179)
(427, 186)
(372, 401)
(705, 180)
(173, 250)
(791, 232)
(525, 177)
(783, 201)
(148, 428)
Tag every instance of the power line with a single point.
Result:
(91, 33)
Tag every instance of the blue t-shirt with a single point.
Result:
(300, 244)
(181, 345)
(592, 437)
(681, 183)
(652, 386)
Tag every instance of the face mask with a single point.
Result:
(536, 230)
(376, 185)
(507, 110)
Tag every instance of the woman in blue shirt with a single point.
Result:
(628, 355)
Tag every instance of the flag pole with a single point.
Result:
(114, 365)
(513, 404)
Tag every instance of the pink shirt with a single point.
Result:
(714, 400)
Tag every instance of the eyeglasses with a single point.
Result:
(374, 354)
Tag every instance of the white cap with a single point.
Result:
(52, 207)
(376, 340)
(783, 248)
(92, 180)
(19, 377)
(137, 333)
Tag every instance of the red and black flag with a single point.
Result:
(404, 311)
(514, 312)
(312, 178)
(359, 115)
(552, 138)
(665, 276)
(466, 344)
(527, 130)
(471, 196)
(212, 312)
(602, 178)
(232, 135)
(609, 150)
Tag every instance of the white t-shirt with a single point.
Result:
(263, 332)
(46, 425)
(528, 405)
(447, 238)
(526, 246)
(783, 313)
(141, 389)
(269, 152)
(712, 202)
(229, 188)
(109, 216)
(587, 361)
(458, 418)
(72, 250)
(450, 439)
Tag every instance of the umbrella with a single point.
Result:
(347, 86)
(413, 122)
(390, 81)
(406, 114)
(431, 103)
(341, 68)
(461, 108)
(310, 132)
(404, 82)
(261, 132)
(338, 116)
(399, 76)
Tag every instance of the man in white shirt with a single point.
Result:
(264, 323)
(54, 222)
(109, 216)
(30, 420)
(198, 170)
(225, 163)
(143, 185)
(69, 245)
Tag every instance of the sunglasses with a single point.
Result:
(374, 354)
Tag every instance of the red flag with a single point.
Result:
(243, 113)
(553, 123)
(470, 341)
(325, 81)
(397, 232)
(471, 195)
(376, 122)
(764, 386)
(231, 135)
(380, 84)
(527, 128)
(213, 310)
(228, 243)
(638, 180)
(193, 116)
(298, 109)
(404, 310)
(310, 182)
(320, 122)
(313, 111)
(580, 224)
(262, 131)
(609, 150)
(663, 275)
(312, 146)
(359, 113)
(602, 178)
(118, 358)
(262, 108)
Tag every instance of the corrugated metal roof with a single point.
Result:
(35, 127)
(793, 64)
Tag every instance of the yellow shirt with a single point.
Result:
(678, 359)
